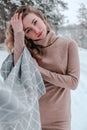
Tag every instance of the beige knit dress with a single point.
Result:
(60, 70)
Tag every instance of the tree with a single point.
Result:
(82, 15)
(53, 10)
(82, 18)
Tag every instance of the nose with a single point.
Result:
(36, 30)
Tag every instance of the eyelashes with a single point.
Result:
(35, 22)
(28, 30)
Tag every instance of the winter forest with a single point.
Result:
(54, 11)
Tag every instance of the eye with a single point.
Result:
(35, 22)
(28, 30)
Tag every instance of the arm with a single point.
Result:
(18, 45)
(70, 79)
(16, 22)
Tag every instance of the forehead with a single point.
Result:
(29, 18)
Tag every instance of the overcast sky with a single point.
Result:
(73, 6)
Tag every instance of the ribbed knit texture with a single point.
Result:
(60, 70)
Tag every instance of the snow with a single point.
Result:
(16, 2)
(78, 96)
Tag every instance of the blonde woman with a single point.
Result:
(56, 58)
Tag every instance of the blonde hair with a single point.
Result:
(9, 41)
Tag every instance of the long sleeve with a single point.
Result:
(18, 45)
(71, 78)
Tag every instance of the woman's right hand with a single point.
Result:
(17, 25)
(16, 22)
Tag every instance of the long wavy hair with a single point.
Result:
(9, 41)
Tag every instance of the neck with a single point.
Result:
(48, 40)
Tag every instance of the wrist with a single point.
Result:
(21, 32)
(19, 39)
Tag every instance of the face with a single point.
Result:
(34, 27)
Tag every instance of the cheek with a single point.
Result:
(30, 35)
(41, 24)
(44, 26)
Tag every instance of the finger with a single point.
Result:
(9, 23)
(20, 16)
(16, 16)
(12, 20)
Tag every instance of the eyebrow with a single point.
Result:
(28, 27)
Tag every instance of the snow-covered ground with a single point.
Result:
(78, 96)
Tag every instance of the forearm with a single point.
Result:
(71, 77)
(17, 25)
(18, 45)
(60, 80)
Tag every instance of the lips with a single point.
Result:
(39, 34)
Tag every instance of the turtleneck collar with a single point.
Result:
(48, 40)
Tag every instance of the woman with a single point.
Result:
(56, 58)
